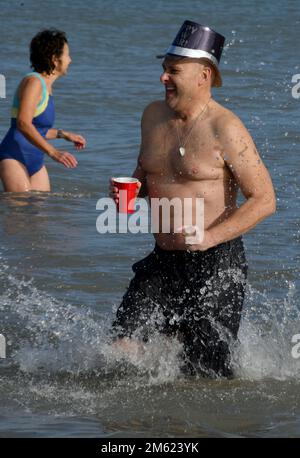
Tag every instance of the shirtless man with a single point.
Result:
(195, 291)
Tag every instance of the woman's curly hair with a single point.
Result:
(43, 47)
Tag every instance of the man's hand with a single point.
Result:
(195, 239)
(114, 192)
(65, 158)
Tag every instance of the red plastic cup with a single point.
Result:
(127, 187)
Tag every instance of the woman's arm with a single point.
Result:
(29, 95)
(51, 134)
(78, 140)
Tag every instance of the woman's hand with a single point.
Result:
(65, 158)
(78, 140)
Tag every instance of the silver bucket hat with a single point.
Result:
(197, 41)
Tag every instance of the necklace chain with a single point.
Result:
(184, 142)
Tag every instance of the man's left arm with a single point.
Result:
(241, 157)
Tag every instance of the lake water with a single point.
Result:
(61, 281)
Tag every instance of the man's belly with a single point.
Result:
(174, 240)
(175, 205)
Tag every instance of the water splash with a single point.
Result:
(268, 324)
(51, 337)
(45, 335)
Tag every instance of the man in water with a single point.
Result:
(192, 147)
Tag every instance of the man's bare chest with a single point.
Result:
(202, 159)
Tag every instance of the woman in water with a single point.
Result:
(22, 150)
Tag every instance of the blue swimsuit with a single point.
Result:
(15, 145)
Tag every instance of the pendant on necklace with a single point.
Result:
(182, 151)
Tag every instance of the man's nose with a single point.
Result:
(164, 77)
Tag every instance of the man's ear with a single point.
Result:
(207, 73)
(204, 75)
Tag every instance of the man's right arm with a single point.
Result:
(140, 174)
(142, 185)
(149, 114)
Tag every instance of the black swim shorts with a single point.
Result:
(195, 296)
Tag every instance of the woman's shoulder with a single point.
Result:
(33, 79)
(31, 83)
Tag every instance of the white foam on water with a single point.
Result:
(158, 359)
(47, 335)
(265, 335)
